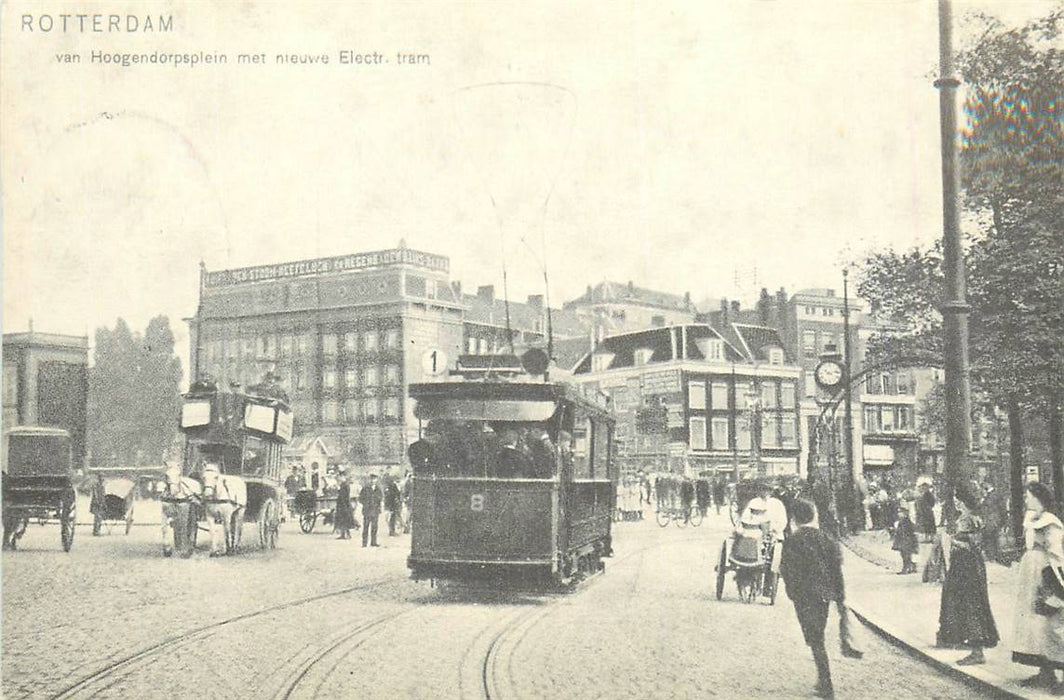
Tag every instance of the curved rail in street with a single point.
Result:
(115, 671)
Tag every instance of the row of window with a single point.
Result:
(273, 346)
(298, 378)
(777, 430)
(349, 411)
(888, 419)
(815, 342)
(824, 311)
(770, 395)
(889, 384)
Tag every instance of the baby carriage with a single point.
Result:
(751, 553)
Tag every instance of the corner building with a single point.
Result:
(344, 334)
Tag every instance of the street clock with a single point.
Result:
(828, 374)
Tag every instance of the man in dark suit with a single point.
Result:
(511, 462)
(371, 497)
(811, 567)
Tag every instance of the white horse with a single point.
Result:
(179, 503)
(224, 497)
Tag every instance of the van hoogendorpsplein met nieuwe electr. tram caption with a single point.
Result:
(192, 59)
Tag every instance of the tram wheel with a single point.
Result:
(722, 568)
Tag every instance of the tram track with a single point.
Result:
(492, 676)
(302, 669)
(114, 672)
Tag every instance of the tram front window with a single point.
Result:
(494, 449)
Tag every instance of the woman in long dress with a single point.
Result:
(1039, 638)
(344, 515)
(965, 618)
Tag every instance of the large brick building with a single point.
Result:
(346, 335)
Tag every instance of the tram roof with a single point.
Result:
(508, 391)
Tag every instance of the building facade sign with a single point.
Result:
(321, 266)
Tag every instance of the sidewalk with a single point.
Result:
(906, 610)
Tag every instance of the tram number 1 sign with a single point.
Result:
(434, 362)
(476, 502)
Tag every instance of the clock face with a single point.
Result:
(829, 373)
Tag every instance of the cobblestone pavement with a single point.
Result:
(649, 627)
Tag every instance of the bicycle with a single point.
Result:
(680, 516)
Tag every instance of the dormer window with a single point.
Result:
(711, 348)
(642, 356)
(601, 361)
(775, 356)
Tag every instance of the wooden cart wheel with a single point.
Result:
(306, 521)
(268, 526)
(236, 521)
(67, 524)
(772, 581)
(722, 568)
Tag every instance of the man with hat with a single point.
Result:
(371, 496)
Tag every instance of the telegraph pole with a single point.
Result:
(955, 308)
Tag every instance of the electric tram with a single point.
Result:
(513, 478)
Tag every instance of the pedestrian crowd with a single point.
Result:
(389, 495)
(959, 534)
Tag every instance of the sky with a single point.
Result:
(681, 145)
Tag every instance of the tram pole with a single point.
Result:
(847, 507)
(955, 309)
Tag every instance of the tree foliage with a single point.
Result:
(133, 394)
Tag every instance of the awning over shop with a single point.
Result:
(878, 456)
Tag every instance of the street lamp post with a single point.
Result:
(955, 309)
(753, 402)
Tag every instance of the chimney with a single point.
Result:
(764, 308)
(735, 309)
(486, 292)
(777, 320)
(631, 287)
(724, 320)
(687, 301)
(535, 301)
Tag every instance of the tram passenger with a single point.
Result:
(542, 454)
(511, 462)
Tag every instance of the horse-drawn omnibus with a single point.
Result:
(513, 481)
(232, 465)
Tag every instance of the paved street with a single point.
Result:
(325, 618)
